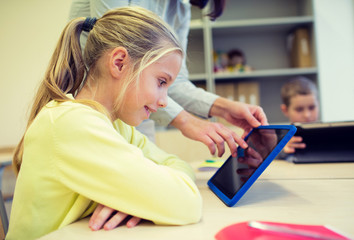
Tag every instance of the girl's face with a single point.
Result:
(302, 108)
(151, 93)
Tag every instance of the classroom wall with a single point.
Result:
(29, 32)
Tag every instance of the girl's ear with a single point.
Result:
(284, 109)
(118, 61)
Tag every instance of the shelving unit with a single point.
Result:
(259, 28)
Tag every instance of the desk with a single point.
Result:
(303, 194)
(282, 170)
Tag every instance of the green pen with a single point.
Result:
(209, 160)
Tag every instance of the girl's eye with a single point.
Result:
(162, 82)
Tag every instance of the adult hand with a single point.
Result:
(103, 217)
(213, 135)
(294, 143)
(240, 114)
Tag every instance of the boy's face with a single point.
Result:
(302, 108)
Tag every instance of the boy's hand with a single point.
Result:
(294, 143)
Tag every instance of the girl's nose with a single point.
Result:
(162, 102)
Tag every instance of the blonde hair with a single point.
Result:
(144, 35)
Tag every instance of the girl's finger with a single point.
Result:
(133, 222)
(115, 221)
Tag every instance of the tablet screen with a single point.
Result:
(233, 173)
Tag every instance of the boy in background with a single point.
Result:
(299, 104)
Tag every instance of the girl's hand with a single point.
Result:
(109, 219)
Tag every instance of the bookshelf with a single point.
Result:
(260, 29)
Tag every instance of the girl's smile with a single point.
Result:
(149, 111)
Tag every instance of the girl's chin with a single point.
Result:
(131, 122)
(134, 123)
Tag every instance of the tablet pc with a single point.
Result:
(326, 142)
(234, 178)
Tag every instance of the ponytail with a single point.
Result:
(65, 74)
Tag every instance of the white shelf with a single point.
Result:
(257, 74)
(263, 22)
(267, 73)
(266, 25)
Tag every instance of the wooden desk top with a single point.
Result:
(282, 170)
(304, 194)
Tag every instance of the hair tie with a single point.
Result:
(88, 24)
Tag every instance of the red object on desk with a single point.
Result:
(277, 231)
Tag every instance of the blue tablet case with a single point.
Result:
(268, 141)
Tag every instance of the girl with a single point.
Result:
(186, 100)
(79, 150)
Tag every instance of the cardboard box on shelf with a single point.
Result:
(300, 48)
(247, 92)
(229, 91)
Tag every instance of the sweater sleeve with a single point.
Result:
(151, 151)
(123, 170)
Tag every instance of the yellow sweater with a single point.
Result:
(74, 158)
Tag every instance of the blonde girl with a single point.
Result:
(80, 147)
